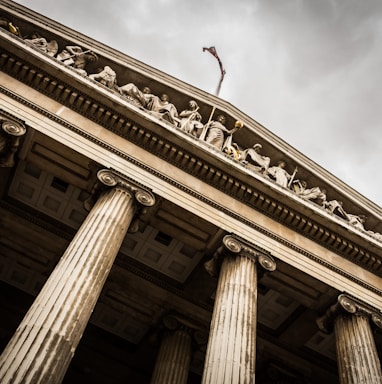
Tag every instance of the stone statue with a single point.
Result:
(335, 207)
(216, 131)
(254, 160)
(107, 77)
(135, 96)
(162, 107)
(314, 194)
(356, 221)
(190, 119)
(48, 47)
(280, 175)
(375, 235)
(75, 57)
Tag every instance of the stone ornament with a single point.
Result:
(232, 244)
(348, 304)
(106, 77)
(12, 128)
(107, 178)
(77, 58)
(48, 47)
(191, 120)
(267, 262)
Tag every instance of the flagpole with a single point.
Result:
(213, 52)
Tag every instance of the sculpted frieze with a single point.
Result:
(214, 133)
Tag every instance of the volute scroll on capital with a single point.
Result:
(174, 322)
(111, 179)
(236, 246)
(10, 135)
(348, 305)
(232, 246)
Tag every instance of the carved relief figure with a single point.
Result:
(190, 119)
(255, 161)
(335, 206)
(356, 221)
(49, 47)
(375, 235)
(279, 174)
(75, 57)
(163, 107)
(301, 189)
(134, 95)
(216, 131)
(106, 76)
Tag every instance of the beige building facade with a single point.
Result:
(146, 239)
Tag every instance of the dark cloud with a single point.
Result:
(308, 70)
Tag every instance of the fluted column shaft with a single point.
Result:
(173, 360)
(357, 356)
(231, 350)
(44, 343)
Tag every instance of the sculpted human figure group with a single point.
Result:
(214, 133)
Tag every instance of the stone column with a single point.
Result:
(357, 356)
(231, 349)
(173, 360)
(44, 343)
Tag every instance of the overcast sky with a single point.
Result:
(310, 71)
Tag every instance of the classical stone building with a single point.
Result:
(143, 239)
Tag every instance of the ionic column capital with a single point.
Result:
(10, 133)
(349, 305)
(108, 178)
(13, 128)
(233, 246)
(174, 322)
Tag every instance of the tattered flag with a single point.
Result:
(213, 52)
